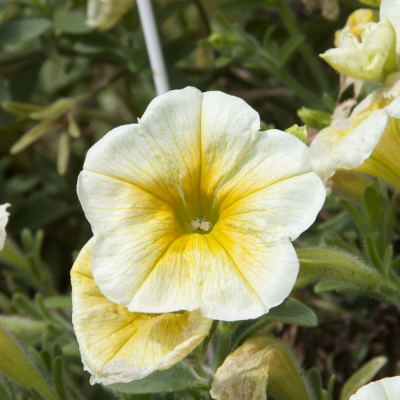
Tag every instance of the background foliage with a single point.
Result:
(76, 83)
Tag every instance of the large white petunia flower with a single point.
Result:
(194, 208)
(3, 222)
(385, 389)
(119, 346)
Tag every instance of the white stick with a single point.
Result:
(153, 46)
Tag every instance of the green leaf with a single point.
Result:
(289, 47)
(21, 109)
(14, 364)
(58, 302)
(27, 331)
(173, 379)
(72, 22)
(63, 153)
(315, 383)
(22, 30)
(31, 136)
(316, 264)
(299, 131)
(362, 377)
(314, 118)
(292, 311)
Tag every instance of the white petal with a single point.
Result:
(385, 389)
(390, 9)
(275, 182)
(332, 150)
(3, 222)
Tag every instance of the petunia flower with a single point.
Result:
(385, 389)
(365, 49)
(119, 346)
(194, 208)
(368, 141)
(3, 222)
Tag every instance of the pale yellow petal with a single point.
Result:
(385, 389)
(119, 346)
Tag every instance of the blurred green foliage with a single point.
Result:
(63, 85)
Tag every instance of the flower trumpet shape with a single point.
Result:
(385, 389)
(194, 208)
(368, 141)
(367, 50)
(3, 222)
(119, 346)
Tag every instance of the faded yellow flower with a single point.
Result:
(195, 208)
(260, 363)
(120, 346)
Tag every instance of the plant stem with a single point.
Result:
(308, 53)
(222, 350)
(153, 46)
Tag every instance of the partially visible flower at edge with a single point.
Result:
(368, 50)
(367, 141)
(105, 14)
(385, 389)
(119, 346)
(3, 222)
(198, 160)
(260, 363)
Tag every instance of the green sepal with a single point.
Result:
(299, 131)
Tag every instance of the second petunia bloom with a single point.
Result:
(195, 208)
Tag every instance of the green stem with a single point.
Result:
(222, 350)
(308, 53)
(254, 328)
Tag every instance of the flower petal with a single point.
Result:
(371, 60)
(228, 131)
(3, 222)
(349, 145)
(160, 155)
(385, 389)
(274, 183)
(390, 9)
(119, 346)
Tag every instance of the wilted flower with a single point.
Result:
(352, 143)
(119, 346)
(260, 363)
(104, 14)
(198, 158)
(385, 389)
(3, 222)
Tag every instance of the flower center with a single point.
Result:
(201, 225)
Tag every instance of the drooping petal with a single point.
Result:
(119, 346)
(385, 389)
(3, 222)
